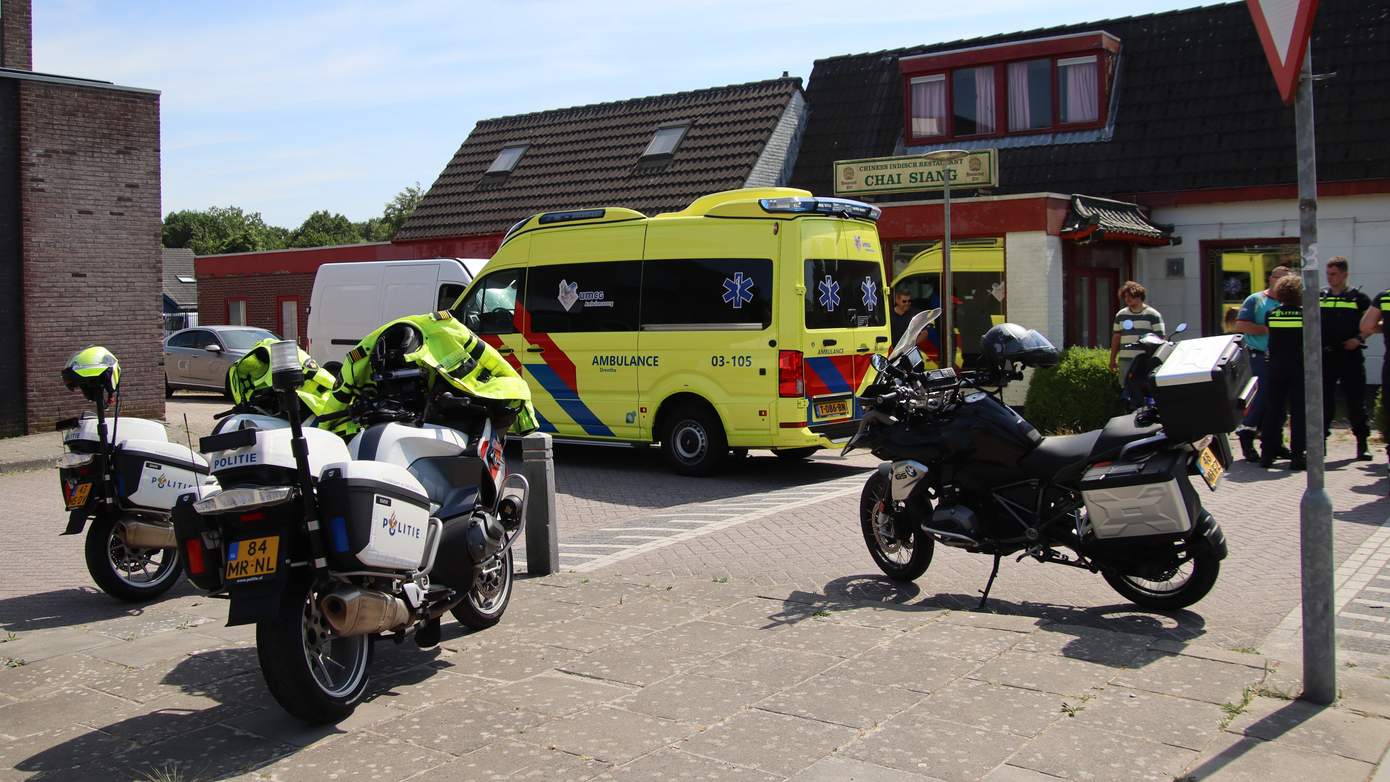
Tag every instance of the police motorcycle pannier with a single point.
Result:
(1203, 387)
(377, 516)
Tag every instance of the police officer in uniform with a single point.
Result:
(1343, 363)
(1284, 373)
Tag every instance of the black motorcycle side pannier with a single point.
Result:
(1203, 387)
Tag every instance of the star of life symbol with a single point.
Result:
(829, 293)
(738, 291)
(569, 294)
(870, 293)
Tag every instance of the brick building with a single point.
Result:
(80, 259)
(652, 154)
(1151, 147)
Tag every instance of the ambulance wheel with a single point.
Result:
(487, 600)
(796, 454)
(694, 442)
(125, 573)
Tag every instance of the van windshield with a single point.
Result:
(843, 294)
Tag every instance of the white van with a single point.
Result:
(352, 299)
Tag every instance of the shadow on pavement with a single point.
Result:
(1269, 728)
(866, 592)
(76, 606)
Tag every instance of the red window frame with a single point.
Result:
(280, 318)
(1103, 45)
(246, 309)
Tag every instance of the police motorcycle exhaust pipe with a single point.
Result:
(355, 611)
(963, 469)
(121, 478)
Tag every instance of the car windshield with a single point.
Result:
(243, 339)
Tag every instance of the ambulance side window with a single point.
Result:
(491, 307)
(584, 297)
(707, 294)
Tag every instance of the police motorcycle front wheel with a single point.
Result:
(126, 572)
(488, 599)
(312, 672)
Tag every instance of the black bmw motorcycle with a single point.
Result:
(963, 469)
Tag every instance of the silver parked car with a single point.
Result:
(199, 357)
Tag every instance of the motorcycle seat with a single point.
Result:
(1119, 432)
(1060, 458)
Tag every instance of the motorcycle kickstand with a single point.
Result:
(984, 596)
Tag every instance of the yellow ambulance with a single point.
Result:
(977, 283)
(745, 320)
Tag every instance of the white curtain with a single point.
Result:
(1019, 113)
(929, 106)
(984, 100)
(1083, 91)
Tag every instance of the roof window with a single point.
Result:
(507, 159)
(1039, 86)
(184, 278)
(665, 141)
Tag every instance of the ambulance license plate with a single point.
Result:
(77, 495)
(832, 409)
(253, 557)
(1210, 467)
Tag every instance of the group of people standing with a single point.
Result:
(1272, 322)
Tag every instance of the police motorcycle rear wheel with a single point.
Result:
(313, 673)
(134, 575)
(488, 599)
(899, 559)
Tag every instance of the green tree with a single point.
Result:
(220, 229)
(399, 208)
(323, 228)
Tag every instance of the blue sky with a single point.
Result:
(284, 108)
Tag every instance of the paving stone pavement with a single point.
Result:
(766, 650)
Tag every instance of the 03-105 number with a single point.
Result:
(731, 361)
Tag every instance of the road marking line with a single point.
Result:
(1363, 617)
(591, 545)
(640, 537)
(1375, 589)
(713, 526)
(1372, 603)
(648, 529)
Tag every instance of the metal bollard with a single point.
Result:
(542, 536)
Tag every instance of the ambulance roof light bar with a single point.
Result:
(829, 206)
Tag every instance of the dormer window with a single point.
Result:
(1039, 86)
(507, 159)
(665, 141)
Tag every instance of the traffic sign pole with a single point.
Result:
(1315, 510)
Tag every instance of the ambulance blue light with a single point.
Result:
(829, 206)
(565, 217)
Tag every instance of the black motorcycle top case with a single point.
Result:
(1198, 389)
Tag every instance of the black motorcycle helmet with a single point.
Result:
(394, 344)
(1007, 343)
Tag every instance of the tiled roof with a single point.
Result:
(1093, 219)
(179, 263)
(589, 156)
(1196, 107)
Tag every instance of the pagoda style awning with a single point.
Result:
(1092, 219)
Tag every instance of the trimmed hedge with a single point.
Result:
(1078, 395)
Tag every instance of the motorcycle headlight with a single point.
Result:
(69, 461)
(243, 499)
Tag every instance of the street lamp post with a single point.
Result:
(948, 348)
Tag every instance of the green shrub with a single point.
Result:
(1079, 394)
(1380, 423)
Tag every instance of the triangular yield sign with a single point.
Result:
(1284, 27)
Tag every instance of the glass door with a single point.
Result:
(1093, 302)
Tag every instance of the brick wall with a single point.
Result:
(90, 200)
(11, 302)
(262, 293)
(16, 35)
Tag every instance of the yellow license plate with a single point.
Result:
(838, 408)
(77, 495)
(253, 557)
(1210, 467)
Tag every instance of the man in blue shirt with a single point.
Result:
(1252, 321)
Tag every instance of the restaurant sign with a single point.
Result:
(916, 173)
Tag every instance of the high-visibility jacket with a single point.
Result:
(1286, 336)
(251, 373)
(453, 355)
(1341, 315)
